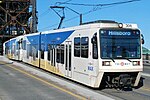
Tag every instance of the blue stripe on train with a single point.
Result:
(55, 38)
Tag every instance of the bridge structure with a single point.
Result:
(17, 17)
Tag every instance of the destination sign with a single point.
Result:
(119, 33)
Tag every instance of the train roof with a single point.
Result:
(95, 24)
(88, 25)
(100, 21)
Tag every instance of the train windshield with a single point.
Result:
(120, 44)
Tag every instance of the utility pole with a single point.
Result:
(34, 17)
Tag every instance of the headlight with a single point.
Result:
(106, 63)
(136, 63)
(120, 25)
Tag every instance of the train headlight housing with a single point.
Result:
(106, 63)
(136, 63)
(120, 25)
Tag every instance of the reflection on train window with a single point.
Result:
(77, 47)
(84, 47)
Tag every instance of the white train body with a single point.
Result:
(91, 54)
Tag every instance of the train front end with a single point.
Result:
(120, 56)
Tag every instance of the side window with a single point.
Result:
(28, 50)
(17, 46)
(94, 46)
(58, 54)
(42, 51)
(13, 49)
(62, 54)
(49, 51)
(84, 47)
(34, 51)
(37, 50)
(24, 44)
(77, 47)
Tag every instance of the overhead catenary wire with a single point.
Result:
(107, 4)
(63, 2)
(96, 8)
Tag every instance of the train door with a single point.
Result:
(68, 51)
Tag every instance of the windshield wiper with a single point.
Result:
(125, 58)
(128, 59)
(112, 59)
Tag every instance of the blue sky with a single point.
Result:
(135, 12)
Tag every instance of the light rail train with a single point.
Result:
(95, 53)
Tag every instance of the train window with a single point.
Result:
(28, 50)
(6, 50)
(77, 47)
(42, 51)
(69, 57)
(94, 46)
(37, 51)
(84, 47)
(24, 45)
(53, 54)
(49, 52)
(62, 54)
(17, 46)
(58, 54)
(34, 51)
(66, 63)
(13, 49)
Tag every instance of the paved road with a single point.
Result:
(147, 69)
(15, 85)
